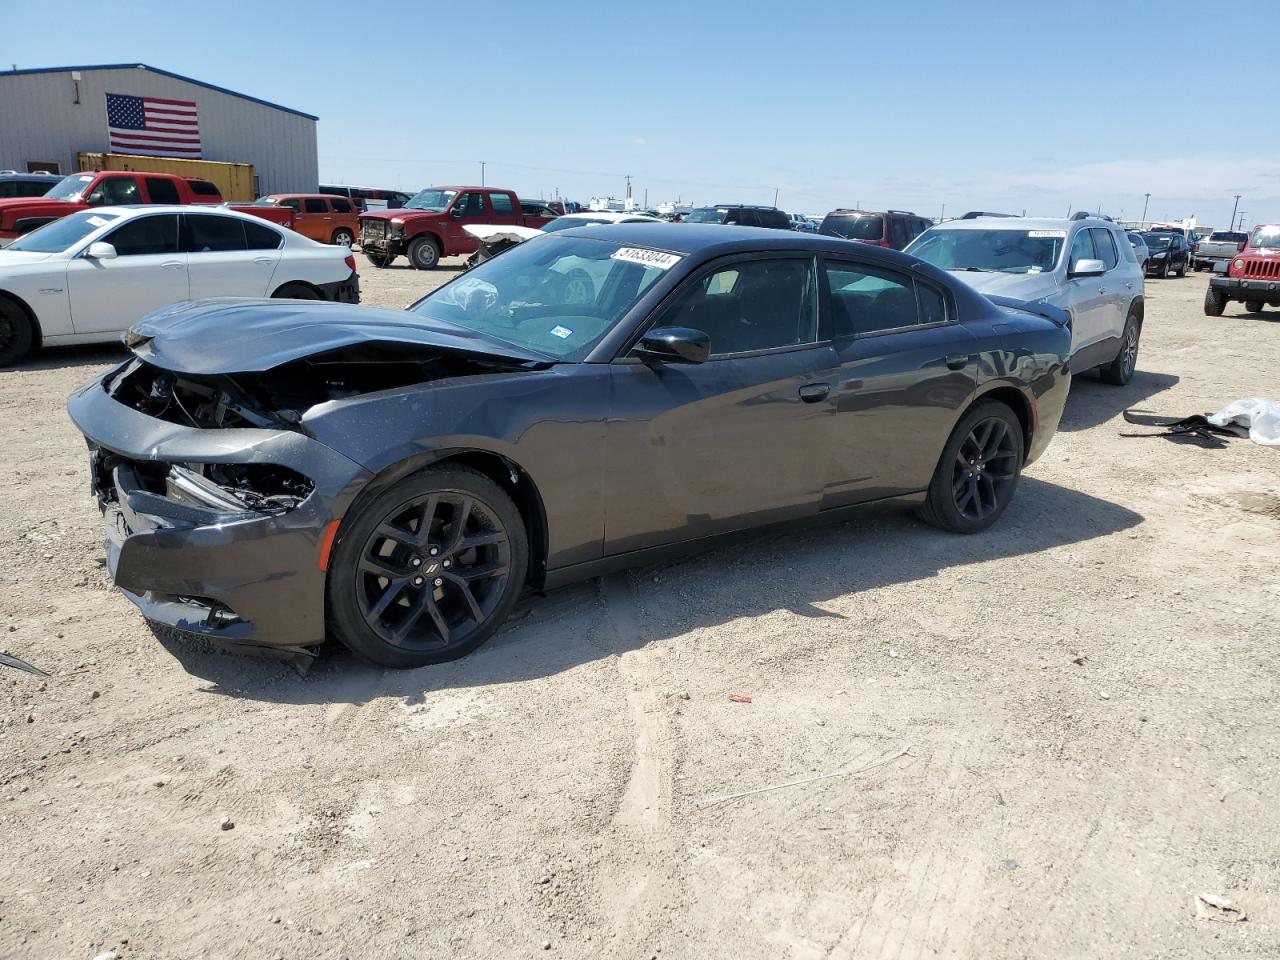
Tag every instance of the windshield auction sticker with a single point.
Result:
(646, 258)
(1057, 234)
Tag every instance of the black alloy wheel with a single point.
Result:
(429, 569)
(978, 471)
(16, 334)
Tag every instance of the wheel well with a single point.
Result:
(426, 236)
(1016, 401)
(298, 283)
(507, 474)
(36, 334)
(1138, 308)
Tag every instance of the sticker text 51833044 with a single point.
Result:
(646, 258)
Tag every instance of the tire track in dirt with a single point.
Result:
(637, 890)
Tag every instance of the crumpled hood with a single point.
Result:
(1019, 286)
(235, 335)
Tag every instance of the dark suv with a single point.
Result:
(1169, 253)
(890, 228)
(742, 215)
(26, 184)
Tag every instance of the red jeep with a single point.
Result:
(429, 226)
(1253, 276)
(106, 188)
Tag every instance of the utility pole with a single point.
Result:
(943, 215)
(1234, 208)
(1242, 213)
(1145, 201)
(626, 203)
(646, 198)
(775, 196)
(482, 173)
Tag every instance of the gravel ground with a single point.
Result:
(1087, 696)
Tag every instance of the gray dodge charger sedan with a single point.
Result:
(275, 472)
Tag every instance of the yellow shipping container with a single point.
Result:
(235, 180)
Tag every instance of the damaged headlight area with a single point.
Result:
(195, 494)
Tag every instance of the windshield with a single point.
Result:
(707, 215)
(436, 201)
(1158, 241)
(60, 234)
(564, 223)
(1266, 237)
(557, 296)
(70, 188)
(853, 228)
(996, 251)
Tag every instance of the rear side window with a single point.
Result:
(259, 237)
(341, 206)
(162, 191)
(203, 188)
(1125, 244)
(775, 219)
(315, 205)
(501, 205)
(209, 233)
(1105, 247)
(898, 232)
(867, 300)
(146, 235)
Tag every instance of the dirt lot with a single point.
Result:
(1089, 695)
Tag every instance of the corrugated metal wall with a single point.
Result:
(40, 121)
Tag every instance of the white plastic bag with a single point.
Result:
(1260, 415)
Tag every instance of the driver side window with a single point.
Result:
(751, 305)
(1081, 249)
(471, 204)
(119, 190)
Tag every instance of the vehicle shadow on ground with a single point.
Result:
(87, 355)
(821, 560)
(1092, 402)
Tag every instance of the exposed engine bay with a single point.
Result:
(278, 398)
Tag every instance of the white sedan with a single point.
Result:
(88, 277)
(494, 238)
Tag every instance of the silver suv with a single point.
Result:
(1084, 265)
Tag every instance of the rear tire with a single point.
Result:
(342, 237)
(1182, 270)
(16, 333)
(978, 471)
(1253, 306)
(1214, 303)
(1120, 370)
(296, 291)
(424, 253)
(427, 569)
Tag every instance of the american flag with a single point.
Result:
(152, 126)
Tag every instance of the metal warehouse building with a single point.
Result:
(50, 116)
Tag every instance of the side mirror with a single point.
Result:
(101, 250)
(458, 212)
(673, 345)
(96, 199)
(1088, 268)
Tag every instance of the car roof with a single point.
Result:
(42, 177)
(714, 240)
(140, 208)
(1020, 223)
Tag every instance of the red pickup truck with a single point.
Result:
(429, 226)
(80, 191)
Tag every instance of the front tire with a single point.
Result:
(1253, 306)
(16, 333)
(1164, 270)
(424, 253)
(978, 471)
(427, 569)
(378, 260)
(1120, 370)
(1214, 303)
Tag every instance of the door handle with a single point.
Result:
(262, 260)
(813, 392)
(171, 264)
(957, 362)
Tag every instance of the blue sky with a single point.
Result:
(976, 105)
